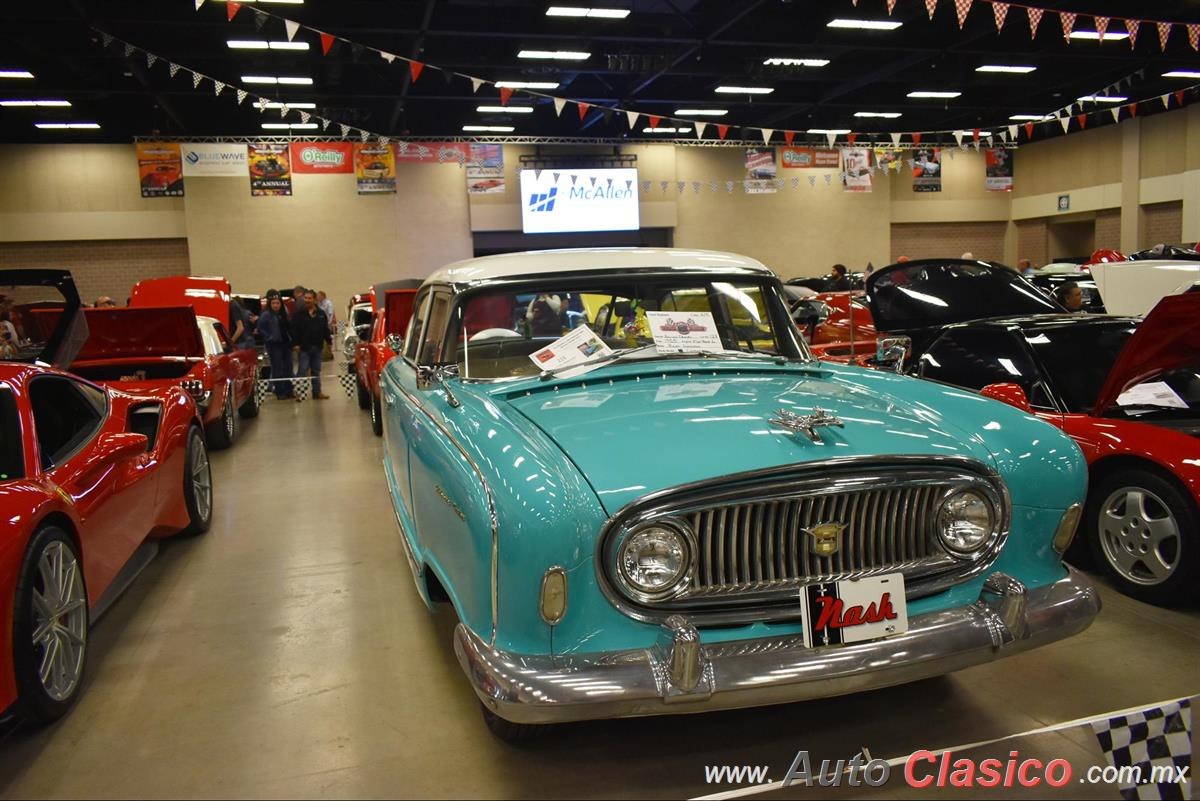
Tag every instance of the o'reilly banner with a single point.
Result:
(322, 157)
(220, 160)
(562, 201)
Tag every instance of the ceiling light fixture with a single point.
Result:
(30, 103)
(972, 133)
(701, 112)
(936, 95)
(556, 55)
(1109, 36)
(744, 90)
(288, 2)
(864, 24)
(59, 126)
(291, 105)
(294, 126)
(666, 130)
(15, 74)
(594, 13)
(1031, 117)
(505, 109)
(828, 131)
(269, 79)
(1102, 99)
(1181, 74)
(887, 115)
(1005, 68)
(488, 128)
(527, 84)
(796, 62)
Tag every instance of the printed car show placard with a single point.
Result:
(1152, 393)
(160, 169)
(887, 159)
(375, 168)
(485, 169)
(581, 345)
(760, 171)
(807, 158)
(432, 153)
(684, 332)
(270, 170)
(325, 158)
(927, 170)
(856, 169)
(999, 169)
(217, 160)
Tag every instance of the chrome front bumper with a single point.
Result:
(680, 674)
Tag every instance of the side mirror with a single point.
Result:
(1012, 394)
(892, 352)
(116, 446)
(394, 342)
(432, 377)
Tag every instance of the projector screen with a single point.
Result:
(567, 201)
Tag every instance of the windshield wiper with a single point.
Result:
(622, 355)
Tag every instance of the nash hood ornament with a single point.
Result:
(827, 538)
(807, 423)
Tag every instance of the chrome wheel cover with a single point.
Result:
(1140, 536)
(59, 621)
(201, 480)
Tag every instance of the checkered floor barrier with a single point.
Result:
(1152, 738)
(302, 387)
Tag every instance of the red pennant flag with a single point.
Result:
(231, 10)
(1133, 109)
(931, 6)
(1179, 97)
(916, 139)
(1082, 120)
(851, 138)
(975, 134)
(1068, 23)
(583, 110)
(654, 121)
(414, 69)
(891, 5)
(1132, 26)
(1194, 36)
(723, 130)
(326, 43)
(1029, 130)
(963, 7)
(1035, 19)
(789, 136)
(1101, 26)
(505, 95)
(1001, 12)
(1164, 32)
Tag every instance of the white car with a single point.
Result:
(357, 329)
(1134, 287)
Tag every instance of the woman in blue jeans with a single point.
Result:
(273, 325)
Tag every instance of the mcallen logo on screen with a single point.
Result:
(543, 202)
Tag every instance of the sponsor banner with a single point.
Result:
(887, 159)
(224, 160)
(160, 170)
(999, 169)
(375, 168)
(432, 153)
(927, 170)
(856, 169)
(485, 169)
(810, 157)
(324, 158)
(559, 201)
(760, 171)
(270, 170)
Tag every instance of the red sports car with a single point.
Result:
(393, 304)
(90, 478)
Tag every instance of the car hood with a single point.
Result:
(125, 333)
(636, 434)
(1168, 339)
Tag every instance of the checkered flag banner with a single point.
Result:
(1156, 745)
(348, 384)
(301, 387)
(262, 388)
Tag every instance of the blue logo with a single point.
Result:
(544, 202)
(192, 157)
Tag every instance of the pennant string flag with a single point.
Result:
(931, 6)
(1035, 19)
(326, 43)
(1000, 10)
(414, 69)
(1068, 24)
(1132, 26)
(1101, 26)
(632, 116)
(963, 7)
(292, 28)
(559, 103)
(231, 9)
(1193, 33)
(891, 5)
(1164, 32)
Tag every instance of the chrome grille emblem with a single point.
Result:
(827, 538)
(808, 423)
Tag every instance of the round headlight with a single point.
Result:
(965, 522)
(654, 559)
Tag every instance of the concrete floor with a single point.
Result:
(286, 654)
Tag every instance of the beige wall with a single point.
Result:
(101, 266)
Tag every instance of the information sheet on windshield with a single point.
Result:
(684, 332)
(1152, 393)
(579, 346)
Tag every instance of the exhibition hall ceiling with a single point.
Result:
(667, 58)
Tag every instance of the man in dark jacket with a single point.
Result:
(310, 332)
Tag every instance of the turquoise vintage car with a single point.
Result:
(693, 513)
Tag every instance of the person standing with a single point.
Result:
(840, 280)
(273, 325)
(310, 333)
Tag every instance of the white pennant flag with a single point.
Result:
(283, 110)
(831, 138)
(196, 78)
(632, 117)
(174, 68)
(325, 124)
(150, 59)
(958, 137)
(262, 104)
(700, 128)
(219, 87)
(766, 132)
(559, 104)
(896, 139)
(1116, 112)
(476, 83)
(292, 28)
(305, 116)
(241, 96)
(107, 39)
(1012, 132)
(363, 135)
(1004, 136)
(345, 130)
(128, 50)
(388, 57)
(1065, 122)
(198, 4)
(1166, 99)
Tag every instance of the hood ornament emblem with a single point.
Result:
(807, 423)
(827, 538)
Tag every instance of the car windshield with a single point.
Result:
(1077, 358)
(935, 293)
(504, 327)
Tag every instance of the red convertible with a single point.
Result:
(393, 305)
(90, 478)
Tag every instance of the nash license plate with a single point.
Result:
(854, 610)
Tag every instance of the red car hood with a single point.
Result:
(1168, 339)
(127, 333)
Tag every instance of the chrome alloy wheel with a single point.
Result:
(59, 621)
(1140, 536)
(201, 481)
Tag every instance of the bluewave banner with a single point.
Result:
(927, 170)
(226, 160)
(375, 168)
(159, 170)
(270, 170)
(324, 158)
(856, 169)
(999, 169)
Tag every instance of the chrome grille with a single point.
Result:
(753, 545)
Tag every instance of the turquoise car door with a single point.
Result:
(398, 394)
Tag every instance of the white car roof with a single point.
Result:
(549, 262)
